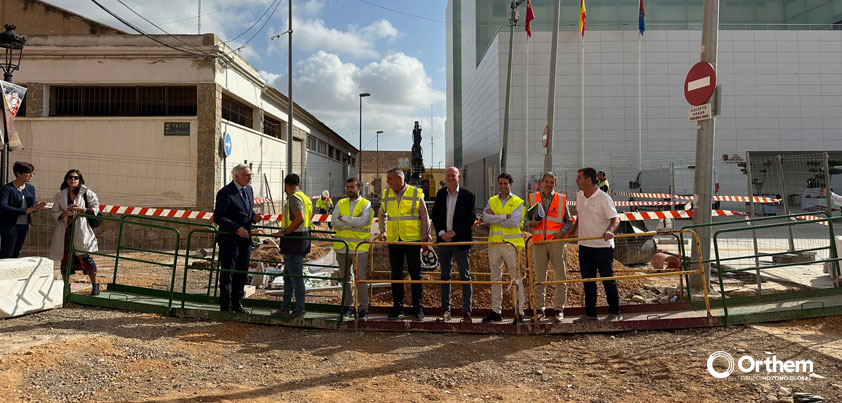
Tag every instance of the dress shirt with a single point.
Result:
(351, 222)
(500, 219)
(451, 207)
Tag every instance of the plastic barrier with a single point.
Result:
(27, 285)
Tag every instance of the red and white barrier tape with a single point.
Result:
(261, 200)
(637, 203)
(660, 215)
(190, 214)
(757, 199)
(812, 217)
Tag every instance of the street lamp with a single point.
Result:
(360, 159)
(377, 157)
(12, 43)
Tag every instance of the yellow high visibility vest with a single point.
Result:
(404, 220)
(308, 213)
(499, 233)
(353, 237)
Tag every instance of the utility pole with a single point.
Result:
(290, 140)
(432, 150)
(199, 18)
(548, 156)
(703, 182)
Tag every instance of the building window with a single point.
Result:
(322, 147)
(330, 151)
(311, 143)
(236, 111)
(338, 155)
(122, 101)
(273, 127)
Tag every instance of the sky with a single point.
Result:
(393, 49)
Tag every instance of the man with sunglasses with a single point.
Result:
(234, 214)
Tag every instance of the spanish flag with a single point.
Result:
(530, 15)
(582, 15)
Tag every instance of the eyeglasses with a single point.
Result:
(73, 178)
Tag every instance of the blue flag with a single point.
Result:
(640, 24)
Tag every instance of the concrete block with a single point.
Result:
(27, 285)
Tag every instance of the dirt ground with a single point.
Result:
(83, 353)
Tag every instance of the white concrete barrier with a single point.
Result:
(27, 285)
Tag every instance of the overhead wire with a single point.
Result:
(277, 3)
(401, 12)
(138, 30)
(162, 30)
(255, 21)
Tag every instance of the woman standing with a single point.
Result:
(17, 202)
(74, 197)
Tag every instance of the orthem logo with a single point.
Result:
(752, 367)
(713, 371)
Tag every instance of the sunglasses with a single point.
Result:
(73, 178)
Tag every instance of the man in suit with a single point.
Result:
(234, 214)
(454, 213)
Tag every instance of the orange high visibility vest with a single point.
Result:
(554, 219)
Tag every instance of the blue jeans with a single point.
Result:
(293, 266)
(591, 261)
(446, 255)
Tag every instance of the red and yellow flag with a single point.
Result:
(582, 15)
(530, 15)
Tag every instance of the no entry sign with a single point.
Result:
(700, 83)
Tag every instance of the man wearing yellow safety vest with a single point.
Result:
(554, 223)
(602, 182)
(404, 207)
(505, 214)
(324, 205)
(352, 220)
(295, 223)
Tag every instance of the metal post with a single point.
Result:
(751, 213)
(783, 200)
(834, 268)
(360, 155)
(512, 21)
(290, 140)
(548, 157)
(703, 182)
(377, 163)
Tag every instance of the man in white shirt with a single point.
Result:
(597, 218)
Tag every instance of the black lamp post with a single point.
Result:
(13, 44)
(377, 157)
(360, 159)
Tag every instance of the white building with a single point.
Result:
(779, 64)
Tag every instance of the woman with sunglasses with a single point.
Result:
(75, 198)
(17, 202)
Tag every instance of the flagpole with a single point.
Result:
(526, 132)
(639, 108)
(582, 82)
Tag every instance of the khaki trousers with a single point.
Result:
(497, 256)
(361, 272)
(542, 256)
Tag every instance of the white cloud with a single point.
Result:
(309, 8)
(401, 93)
(269, 77)
(312, 34)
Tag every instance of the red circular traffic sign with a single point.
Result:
(700, 83)
(546, 136)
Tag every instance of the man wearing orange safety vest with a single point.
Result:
(554, 223)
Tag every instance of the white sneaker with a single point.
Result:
(613, 318)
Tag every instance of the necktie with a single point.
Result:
(245, 198)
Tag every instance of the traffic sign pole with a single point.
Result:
(703, 182)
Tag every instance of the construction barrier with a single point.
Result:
(746, 199)
(700, 269)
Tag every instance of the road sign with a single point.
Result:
(226, 144)
(701, 112)
(546, 136)
(700, 83)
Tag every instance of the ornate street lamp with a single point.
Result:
(13, 44)
(360, 158)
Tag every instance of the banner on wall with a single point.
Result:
(13, 95)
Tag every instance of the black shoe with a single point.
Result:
(349, 313)
(238, 308)
(363, 316)
(396, 313)
(281, 313)
(297, 314)
(492, 317)
(95, 289)
(520, 319)
(419, 314)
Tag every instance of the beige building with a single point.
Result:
(145, 123)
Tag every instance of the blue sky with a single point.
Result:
(340, 48)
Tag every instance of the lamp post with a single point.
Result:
(11, 43)
(360, 159)
(377, 157)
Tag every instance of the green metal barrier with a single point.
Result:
(343, 279)
(722, 269)
(746, 224)
(122, 223)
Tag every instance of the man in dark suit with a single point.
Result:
(454, 213)
(234, 214)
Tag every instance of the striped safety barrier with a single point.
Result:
(812, 217)
(757, 199)
(637, 203)
(189, 214)
(660, 215)
(261, 200)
